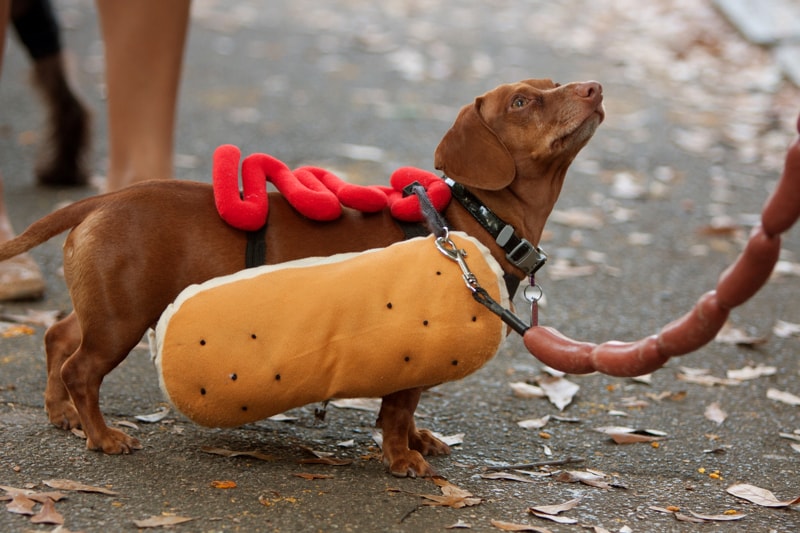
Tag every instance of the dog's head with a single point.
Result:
(518, 128)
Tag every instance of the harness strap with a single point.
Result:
(256, 250)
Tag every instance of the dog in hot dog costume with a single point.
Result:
(256, 343)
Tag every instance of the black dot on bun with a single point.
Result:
(203, 391)
(253, 336)
(244, 408)
(234, 377)
(455, 362)
(389, 305)
(277, 377)
(424, 322)
(202, 342)
(474, 319)
(407, 359)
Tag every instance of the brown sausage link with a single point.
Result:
(740, 281)
(782, 208)
(558, 351)
(736, 285)
(694, 329)
(627, 359)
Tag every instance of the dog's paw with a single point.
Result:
(63, 415)
(409, 464)
(425, 443)
(114, 442)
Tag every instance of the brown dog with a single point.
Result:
(131, 252)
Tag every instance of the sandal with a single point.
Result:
(20, 279)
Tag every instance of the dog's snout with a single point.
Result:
(589, 89)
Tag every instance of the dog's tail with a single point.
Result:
(49, 226)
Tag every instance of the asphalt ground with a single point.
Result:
(697, 122)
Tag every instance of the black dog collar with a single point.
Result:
(520, 252)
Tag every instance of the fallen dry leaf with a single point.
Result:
(48, 514)
(508, 476)
(626, 435)
(759, 496)
(459, 525)
(526, 390)
(582, 218)
(718, 517)
(223, 484)
(152, 418)
(562, 269)
(451, 440)
(559, 391)
(557, 508)
(34, 316)
(534, 423)
(310, 476)
(510, 526)
(231, 453)
(21, 504)
(701, 376)
(731, 335)
(781, 396)
(715, 413)
(750, 372)
(161, 521)
(591, 479)
(785, 329)
(67, 484)
(554, 518)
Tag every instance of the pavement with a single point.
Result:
(656, 206)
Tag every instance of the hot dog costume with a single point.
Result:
(256, 343)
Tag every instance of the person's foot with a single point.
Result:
(20, 279)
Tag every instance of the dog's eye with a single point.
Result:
(518, 102)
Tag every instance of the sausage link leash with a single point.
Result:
(448, 248)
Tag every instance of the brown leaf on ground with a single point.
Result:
(223, 484)
(557, 508)
(625, 435)
(309, 476)
(48, 514)
(67, 484)
(759, 496)
(510, 526)
(21, 504)
(452, 496)
(224, 452)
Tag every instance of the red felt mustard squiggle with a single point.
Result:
(736, 285)
(315, 192)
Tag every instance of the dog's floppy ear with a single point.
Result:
(472, 154)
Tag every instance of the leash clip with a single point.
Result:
(447, 247)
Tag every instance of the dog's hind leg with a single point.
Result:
(83, 373)
(61, 340)
(403, 444)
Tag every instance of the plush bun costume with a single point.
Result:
(256, 343)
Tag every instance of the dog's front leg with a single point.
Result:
(403, 444)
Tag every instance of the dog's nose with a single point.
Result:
(589, 89)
